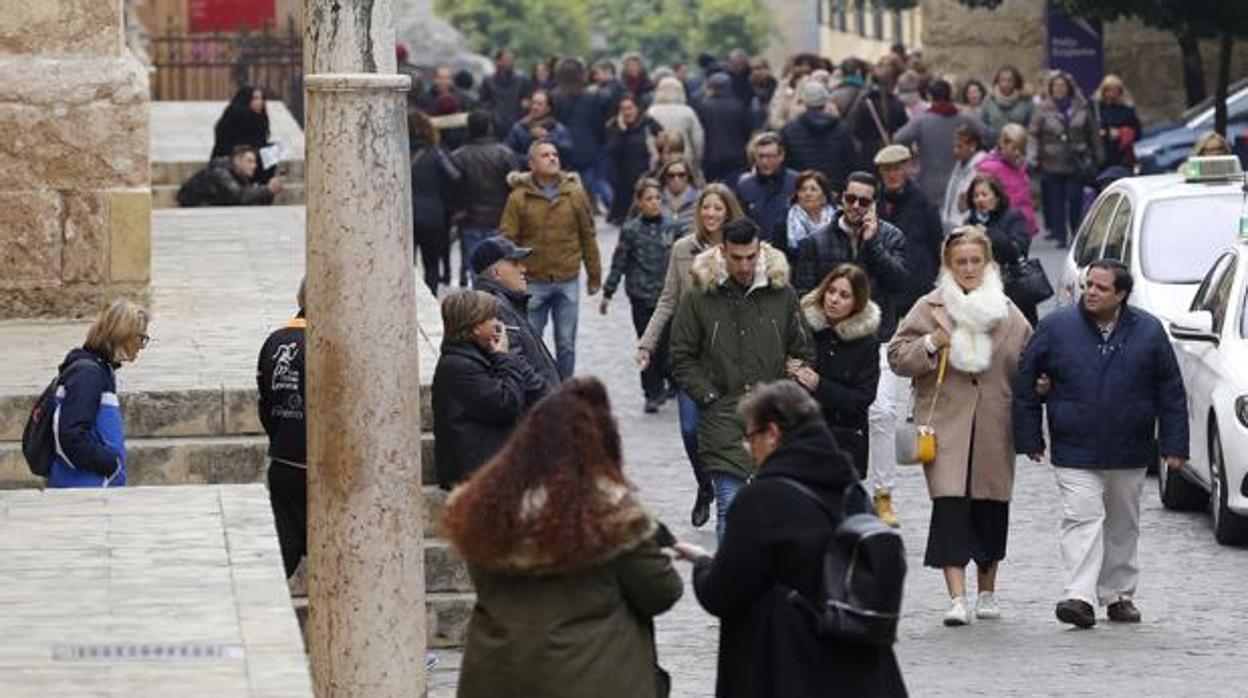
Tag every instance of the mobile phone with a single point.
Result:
(663, 536)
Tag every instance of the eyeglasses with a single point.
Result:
(677, 175)
(144, 340)
(852, 200)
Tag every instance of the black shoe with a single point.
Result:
(1123, 611)
(702, 507)
(1077, 613)
(652, 405)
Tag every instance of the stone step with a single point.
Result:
(176, 173)
(186, 461)
(166, 195)
(446, 615)
(179, 413)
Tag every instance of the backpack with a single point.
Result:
(199, 190)
(863, 572)
(38, 441)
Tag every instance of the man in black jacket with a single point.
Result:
(280, 379)
(229, 181)
(878, 113)
(504, 93)
(500, 271)
(483, 163)
(906, 206)
(857, 236)
(726, 122)
(774, 544)
(818, 141)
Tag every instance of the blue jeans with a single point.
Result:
(726, 487)
(469, 238)
(560, 300)
(688, 410)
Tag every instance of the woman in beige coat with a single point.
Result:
(715, 207)
(968, 319)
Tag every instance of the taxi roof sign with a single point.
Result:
(1212, 168)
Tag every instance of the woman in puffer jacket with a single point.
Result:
(672, 111)
(1066, 147)
(88, 431)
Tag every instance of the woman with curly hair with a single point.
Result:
(566, 564)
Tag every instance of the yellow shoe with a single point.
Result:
(883, 501)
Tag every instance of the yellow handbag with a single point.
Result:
(916, 443)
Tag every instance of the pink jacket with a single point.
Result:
(1015, 181)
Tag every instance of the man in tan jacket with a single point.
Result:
(549, 212)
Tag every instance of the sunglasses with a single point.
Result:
(677, 175)
(852, 200)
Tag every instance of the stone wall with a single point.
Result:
(74, 171)
(966, 42)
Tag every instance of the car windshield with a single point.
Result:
(1236, 105)
(1181, 238)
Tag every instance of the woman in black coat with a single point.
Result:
(629, 137)
(433, 175)
(1007, 229)
(844, 320)
(245, 121)
(774, 544)
(478, 387)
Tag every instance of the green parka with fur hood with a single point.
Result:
(726, 340)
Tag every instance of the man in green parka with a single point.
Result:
(736, 328)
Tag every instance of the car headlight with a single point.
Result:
(1241, 409)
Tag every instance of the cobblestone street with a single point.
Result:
(1188, 644)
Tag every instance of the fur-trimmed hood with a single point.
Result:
(525, 180)
(624, 528)
(863, 323)
(710, 269)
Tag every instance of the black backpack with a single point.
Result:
(199, 190)
(864, 570)
(38, 441)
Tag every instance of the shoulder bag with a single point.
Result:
(916, 443)
(1025, 282)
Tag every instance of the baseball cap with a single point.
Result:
(490, 250)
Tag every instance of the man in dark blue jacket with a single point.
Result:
(767, 192)
(1115, 401)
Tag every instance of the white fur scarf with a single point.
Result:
(974, 315)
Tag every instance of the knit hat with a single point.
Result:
(814, 94)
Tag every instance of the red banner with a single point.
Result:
(229, 15)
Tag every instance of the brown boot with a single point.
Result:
(883, 501)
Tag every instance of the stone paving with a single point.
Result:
(1189, 643)
(115, 592)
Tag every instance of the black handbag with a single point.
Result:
(1026, 283)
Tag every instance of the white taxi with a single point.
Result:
(1166, 228)
(1211, 344)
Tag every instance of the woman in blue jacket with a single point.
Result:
(87, 425)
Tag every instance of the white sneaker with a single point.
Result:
(986, 606)
(957, 613)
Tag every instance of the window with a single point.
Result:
(1204, 295)
(1119, 232)
(1181, 238)
(1091, 238)
(860, 17)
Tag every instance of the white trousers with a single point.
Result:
(891, 407)
(1100, 532)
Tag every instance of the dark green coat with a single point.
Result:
(725, 340)
(537, 631)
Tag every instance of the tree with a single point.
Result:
(1188, 20)
(534, 30)
(664, 31)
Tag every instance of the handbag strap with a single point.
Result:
(940, 379)
(875, 116)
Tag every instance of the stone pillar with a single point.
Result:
(365, 537)
(75, 183)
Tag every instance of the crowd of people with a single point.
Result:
(813, 265)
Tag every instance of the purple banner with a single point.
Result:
(1074, 45)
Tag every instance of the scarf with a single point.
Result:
(801, 226)
(974, 315)
(943, 108)
(1004, 101)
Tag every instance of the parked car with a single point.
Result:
(1211, 343)
(1168, 229)
(1163, 148)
